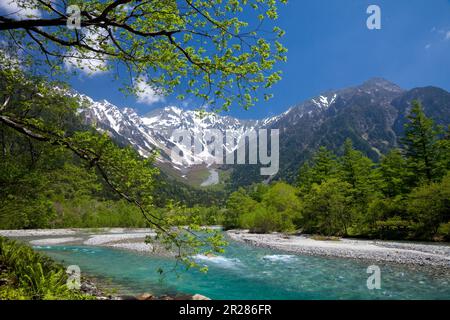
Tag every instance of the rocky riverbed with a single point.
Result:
(425, 254)
(118, 238)
(424, 262)
(89, 286)
(129, 239)
(435, 255)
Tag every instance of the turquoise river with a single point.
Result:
(246, 272)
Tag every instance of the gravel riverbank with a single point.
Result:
(436, 255)
(413, 253)
(129, 239)
(119, 238)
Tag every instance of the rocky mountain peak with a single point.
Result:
(371, 114)
(380, 84)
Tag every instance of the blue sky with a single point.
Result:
(330, 47)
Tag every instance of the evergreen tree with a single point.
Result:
(357, 170)
(444, 152)
(324, 166)
(305, 177)
(394, 174)
(328, 208)
(429, 206)
(421, 146)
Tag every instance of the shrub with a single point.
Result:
(327, 208)
(264, 209)
(429, 206)
(444, 231)
(32, 275)
(387, 219)
(266, 219)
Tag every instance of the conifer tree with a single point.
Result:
(394, 174)
(420, 143)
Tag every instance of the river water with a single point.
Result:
(246, 272)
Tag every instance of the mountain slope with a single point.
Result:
(371, 114)
(154, 132)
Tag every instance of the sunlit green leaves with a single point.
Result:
(41, 129)
(211, 49)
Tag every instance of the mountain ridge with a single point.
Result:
(372, 114)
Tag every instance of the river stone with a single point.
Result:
(145, 296)
(199, 297)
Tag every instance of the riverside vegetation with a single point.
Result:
(57, 172)
(27, 275)
(54, 165)
(405, 196)
(46, 184)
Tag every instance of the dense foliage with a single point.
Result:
(57, 172)
(405, 196)
(27, 275)
(222, 51)
(200, 48)
(264, 209)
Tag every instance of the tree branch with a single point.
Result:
(87, 155)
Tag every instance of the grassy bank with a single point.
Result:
(28, 275)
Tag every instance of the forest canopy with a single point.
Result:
(217, 51)
(222, 52)
(404, 196)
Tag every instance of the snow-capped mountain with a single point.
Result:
(155, 130)
(124, 125)
(371, 114)
(164, 122)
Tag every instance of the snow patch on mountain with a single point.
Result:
(154, 131)
(323, 102)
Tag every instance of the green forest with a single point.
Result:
(405, 196)
(56, 171)
(57, 185)
(60, 170)
(47, 182)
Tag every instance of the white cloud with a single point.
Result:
(15, 9)
(447, 36)
(145, 92)
(90, 63)
(428, 46)
(8, 61)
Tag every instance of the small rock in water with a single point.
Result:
(199, 297)
(145, 296)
